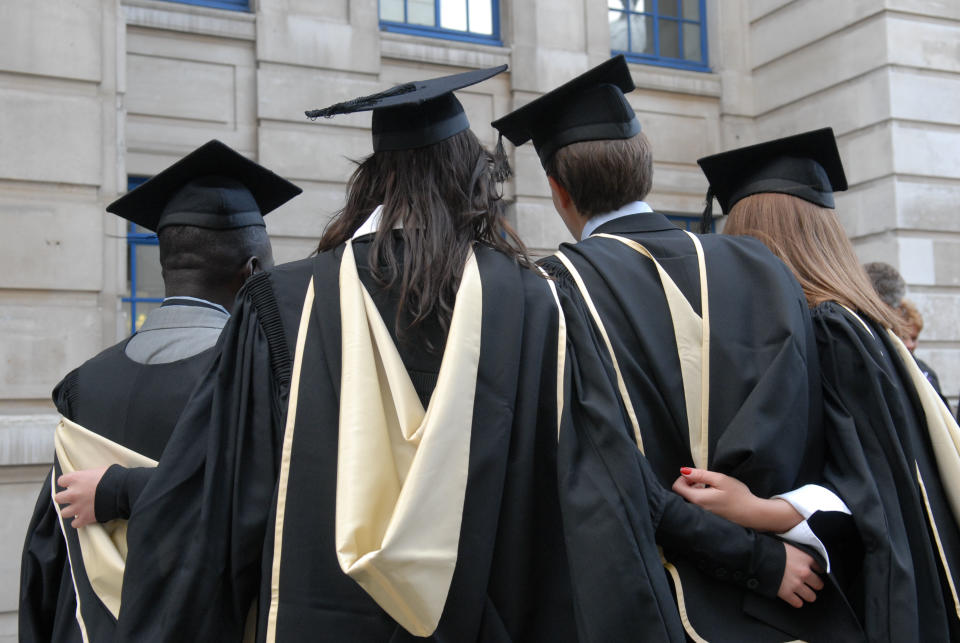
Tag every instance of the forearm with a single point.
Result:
(118, 490)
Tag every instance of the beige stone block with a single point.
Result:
(916, 260)
(40, 343)
(314, 41)
(437, 51)
(798, 24)
(307, 215)
(285, 92)
(313, 151)
(479, 109)
(940, 314)
(54, 241)
(928, 205)
(946, 364)
(529, 178)
(946, 264)
(877, 248)
(27, 439)
(931, 8)
(59, 38)
(846, 107)
(764, 8)
(867, 154)
(19, 489)
(675, 138)
(926, 151)
(839, 57)
(560, 25)
(539, 225)
(181, 89)
(50, 137)
(929, 97)
(9, 626)
(287, 249)
(917, 42)
(679, 180)
(868, 208)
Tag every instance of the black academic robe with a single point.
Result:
(878, 445)
(202, 536)
(764, 407)
(133, 404)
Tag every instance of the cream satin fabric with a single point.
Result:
(402, 471)
(692, 333)
(103, 546)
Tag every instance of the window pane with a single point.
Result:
(391, 10)
(641, 35)
(481, 16)
(149, 281)
(618, 31)
(420, 12)
(640, 5)
(691, 42)
(669, 39)
(691, 10)
(668, 8)
(453, 14)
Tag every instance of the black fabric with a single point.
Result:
(202, 534)
(117, 490)
(932, 377)
(878, 440)
(135, 405)
(764, 398)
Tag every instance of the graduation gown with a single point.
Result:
(762, 425)
(128, 403)
(884, 466)
(254, 493)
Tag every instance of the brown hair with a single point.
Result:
(810, 240)
(911, 316)
(602, 176)
(445, 198)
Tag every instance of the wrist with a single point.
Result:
(776, 515)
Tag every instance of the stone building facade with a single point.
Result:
(94, 93)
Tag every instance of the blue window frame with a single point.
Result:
(233, 5)
(671, 33)
(688, 222)
(465, 20)
(143, 268)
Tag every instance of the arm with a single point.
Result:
(101, 495)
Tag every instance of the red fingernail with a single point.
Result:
(686, 470)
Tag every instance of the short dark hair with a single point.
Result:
(216, 255)
(602, 176)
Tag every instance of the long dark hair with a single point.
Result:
(445, 198)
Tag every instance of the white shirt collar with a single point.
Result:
(204, 301)
(373, 223)
(636, 207)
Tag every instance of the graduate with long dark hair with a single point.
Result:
(893, 455)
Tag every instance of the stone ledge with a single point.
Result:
(27, 439)
(439, 51)
(190, 19)
(683, 81)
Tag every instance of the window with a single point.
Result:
(467, 20)
(690, 223)
(671, 33)
(235, 5)
(143, 269)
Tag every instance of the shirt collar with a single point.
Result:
(636, 207)
(373, 223)
(173, 301)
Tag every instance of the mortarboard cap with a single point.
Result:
(212, 187)
(414, 114)
(806, 166)
(590, 107)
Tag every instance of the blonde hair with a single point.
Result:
(811, 241)
(911, 316)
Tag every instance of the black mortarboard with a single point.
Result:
(414, 114)
(590, 107)
(806, 166)
(211, 187)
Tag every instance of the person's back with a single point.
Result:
(132, 393)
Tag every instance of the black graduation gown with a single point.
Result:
(133, 404)
(878, 442)
(201, 538)
(764, 420)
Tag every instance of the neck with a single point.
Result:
(223, 297)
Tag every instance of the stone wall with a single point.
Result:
(94, 91)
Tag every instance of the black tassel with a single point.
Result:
(501, 164)
(361, 103)
(706, 219)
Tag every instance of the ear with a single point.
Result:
(561, 198)
(251, 267)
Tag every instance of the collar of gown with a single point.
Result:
(635, 207)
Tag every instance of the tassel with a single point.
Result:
(501, 164)
(706, 219)
(360, 104)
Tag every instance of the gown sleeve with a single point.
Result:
(196, 531)
(118, 490)
(43, 565)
